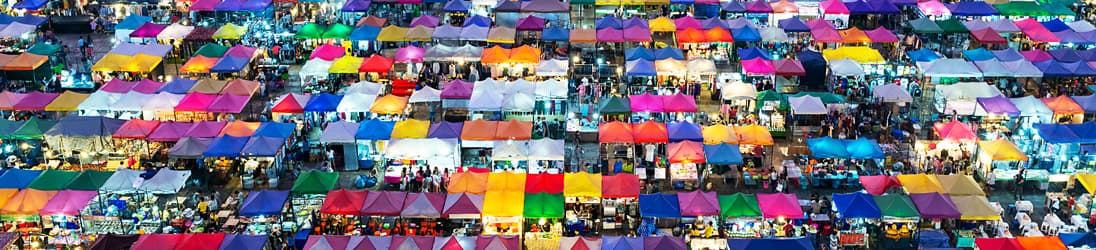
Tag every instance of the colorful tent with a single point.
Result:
(779, 205)
(543, 205)
(685, 152)
(620, 185)
(697, 203)
(896, 206)
(581, 184)
(659, 206)
(460, 205)
(1042, 242)
(315, 182)
(954, 130)
(1002, 150)
(739, 205)
(920, 183)
(383, 203)
(934, 205)
(754, 135)
(157, 241)
(53, 180)
(467, 182)
(27, 202)
(856, 205)
(344, 202)
(423, 205)
(975, 207)
(999, 243)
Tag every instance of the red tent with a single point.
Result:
(998, 243)
(201, 241)
(620, 185)
(690, 35)
(291, 103)
(544, 183)
(156, 241)
(137, 129)
(377, 64)
(614, 132)
(878, 184)
(685, 151)
(650, 132)
(718, 34)
(342, 201)
(988, 35)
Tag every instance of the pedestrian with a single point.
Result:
(1018, 191)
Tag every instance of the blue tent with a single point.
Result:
(770, 244)
(923, 55)
(1056, 133)
(1055, 25)
(6, 19)
(1078, 239)
(746, 34)
(659, 206)
(640, 68)
(556, 34)
(18, 178)
(1008, 55)
(375, 130)
(323, 103)
(30, 19)
(856, 205)
(29, 4)
(668, 53)
(638, 53)
(262, 146)
(722, 154)
(609, 21)
(732, 7)
(178, 86)
(85, 126)
(1086, 132)
(863, 148)
(226, 146)
(455, 6)
(230, 64)
(477, 20)
(365, 33)
(243, 242)
(681, 131)
(264, 202)
(275, 129)
(131, 22)
(752, 52)
(827, 148)
(1065, 55)
(794, 25)
(980, 54)
(1052, 68)
(884, 7)
(621, 242)
(973, 8)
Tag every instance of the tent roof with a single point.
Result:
(620, 185)
(739, 205)
(342, 201)
(934, 205)
(897, 206)
(659, 205)
(264, 202)
(856, 205)
(51, 180)
(423, 205)
(920, 183)
(974, 207)
(779, 206)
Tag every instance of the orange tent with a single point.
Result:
(685, 151)
(650, 132)
(27, 202)
(241, 87)
(1041, 242)
(613, 132)
(854, 35)
(5, 59)
(583, 36)
(524, 54)
(495, 54)
(240, 128)
(25, 62)
(514, 130)
(389, 105)
(506, 182)
(479, 129)
(6, 194)
(467, 182)
(784, 6)
(718, 34)
(690, 35)
(1063, 105)
(198, 64)
(376, 64)
(754, 135)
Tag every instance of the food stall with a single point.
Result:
(857, 210)
(701, 212)
(900, 219)
(740, 213)
(423, 210)
(338, 205)
(618, 203)
(261, 213)
(381, 208)
(779, 210)
(308, 195)
(501, 214)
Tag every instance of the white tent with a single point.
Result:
(175, 31)
(365, 87)
(739, 91)
(485, 100)
(1030, 106)
(552, 67)
(807, 105)
(439, 53)
(701, 66)
(16, 30)
(438, 152)
(546, 150)
(993, 68)
(518, 102)
(132, 102)
(891, 93)
(315, 68)
(468, 52)
(949, 68)
(1081, 26)
(99, 102)
(846, 67)
(426, 94)
(164, 102)
(356, 102)
(122, 181)
(1023, 68)
(510, 150)
(122, 35)
(551, 89)
(774, 34)
(670, 67)
(520, 86)
(967, 91)
(165, 181)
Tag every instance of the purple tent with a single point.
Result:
(1080, 68)
(457, 89)
(508, 6)
(409, 53)
(794, 25)
(474, 33)
(412, 242)
(1008, 55)
(1004, 25)
(423, 205)
(148, 30)
(972, 9)
(859, 7)
(712, 23)
(634, 22)
(85, 126)
(637, 34)
(759, 6)
(356, 6)
(683, 131)
(544, 6)
(531, 23)
(1065, 55)
(170, 131)
(663, 242)
(463, 203)
(228, 103)
(230, 5)
(608, 22)
(621, 242)
(204, 5)
(697, 203)
(998, 105)
(478, 20)
(445, 130)
(1052, 68)
(425, 20)
(263, 146)
(884, 7)
(456, 6)
(610, 35)
(446, 32)
(733, 7)
(1087, 102)
(204, 129)
(935, 206)
(1069, 36)
(241, 241)
(383, 203)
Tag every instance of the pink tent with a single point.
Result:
(933, 8)
(637, 34)
(169, 131)
(426, 20)
(687, 22)
(326, 52)
(878, 184)
(228, 103)
(954, 130)
(9, 99)
(148, 30)
(204, 5)
(646, 103)
(205, 129)
(678, 103)
(156, 241)
(409, 53)
(195, 102)
(1036, 31)
(758, 66)
(779, 205)
(498, 242)
(1036, 55)
(789, 67)
(823, 31)
(697, 203)
(610, 35)
(68, 202)
(834, 7)
(35, 101)
(243, 51)
(327, 242)
(146, 86)
(117, 86)
(138, 129)
(881, 35)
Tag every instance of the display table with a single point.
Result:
(698, 244)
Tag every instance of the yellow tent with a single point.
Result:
(111, 62)
(141, 63)
(958, 185)
(346, 65)
(581, 184)
(230, 31)
(463, 182)
(608, 2)
(208, 86)
(919, 184)
(1088, 181)
(1002, 150)
(6, 194)
(504, 204)
(66, 101)
(392, 33)
(420, 33)
(505, 181)
(410, 129)
(975, 207)
(719, 133)
(754, 135)
(27, 202)
(389, 105)
(860, 54)
(662, 24)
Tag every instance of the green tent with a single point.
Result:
(44, 49)
(32, 129)
(543, 205)
(1058, 9)
(827, 98)
(925, 26)
(951, 26)
(338, 31)
(211, 50)
(310, 31)
(615, 105)
(896, 206)
(769, 96)
(51, 180)
(7, 127)
(1021, 8)
(739, 205)
(582, 2)
(315, 182)
(89, 180)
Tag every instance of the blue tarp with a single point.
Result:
(131, 22)
(478, 20)
(6, 19)
(263, 146)
(29, 4)
(264, 202)
(640, 68)
(275, 129)
(638, 53)
(375, 130)
(178, 86)
(827, 148)
(800, 243)
(243, 241)
(863, 148)
(556, 34)
(230, 64)
(753, 52)
(323, 103)
(794, 25)
(1008, 55)
(18, 178)
(365, 33)
(681, 131)
(1056, 133)
(226, 146)
(31, 19)
(668, 53)
(659, 206)
(746, 34)
(923, 55)
(608, 22)
(1078, 239)
(980, 54)
(723, 154)
(856, 205)
(455, 6)
(621, 242)
(85, 126)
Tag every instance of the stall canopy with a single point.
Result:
(342, 201)
(998, 243)
(27, 202)
(799, 243)
(581, 184)
(779, 206)
(18, 178)
(463, 204)
(619, 186)
(896, 206)
(659, 206)
(264, 202)
(739, 205)
(1002, 150)
(1086, 239)
(975, 207)
(878, 184)
(165, 181)
(697, 203)
(383, 203)
(955, 131)
(52, 180)
(1041, 242)
(89, 180)
(543, 205)
(856, 205)
(935, 205)
(423, 205)
(315, 182)
(723, 153)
